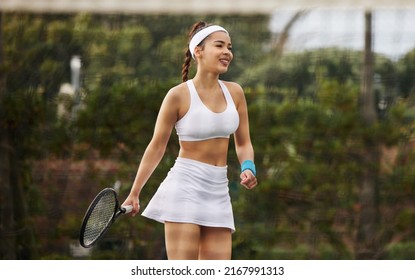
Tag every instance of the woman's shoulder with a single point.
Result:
(233, 87)
(177, 92)
(177, 98)
(235, 90)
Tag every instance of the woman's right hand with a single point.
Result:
(135, 202)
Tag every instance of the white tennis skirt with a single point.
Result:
(193, 192)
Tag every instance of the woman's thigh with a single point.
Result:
(182, 241)
(215, 243)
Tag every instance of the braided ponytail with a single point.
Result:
(188, 57)
(186, 66)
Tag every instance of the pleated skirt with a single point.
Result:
(193, 192)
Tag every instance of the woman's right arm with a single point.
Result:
(155, 150)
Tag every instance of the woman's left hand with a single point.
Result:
(248, 179)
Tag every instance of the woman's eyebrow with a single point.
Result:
(222, 42)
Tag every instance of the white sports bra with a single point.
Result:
(200, 123)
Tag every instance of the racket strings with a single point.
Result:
(100, 217)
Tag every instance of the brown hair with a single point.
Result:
(188, 56)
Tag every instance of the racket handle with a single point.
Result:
(127, 209)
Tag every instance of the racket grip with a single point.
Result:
(127, 209)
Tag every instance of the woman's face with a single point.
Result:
(216, 53)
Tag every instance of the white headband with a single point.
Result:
(201, 35)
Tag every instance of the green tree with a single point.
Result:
(405, 74)
(34, 47)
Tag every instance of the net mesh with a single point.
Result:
(100, 217)
(301, 76)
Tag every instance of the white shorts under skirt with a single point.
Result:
(193, 192)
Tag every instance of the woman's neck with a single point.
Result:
(206, 81)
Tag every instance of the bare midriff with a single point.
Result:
(211, 151)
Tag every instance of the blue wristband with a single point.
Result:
(248, 164)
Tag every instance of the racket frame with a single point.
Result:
(116, 213)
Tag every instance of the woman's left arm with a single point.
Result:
(243, 144)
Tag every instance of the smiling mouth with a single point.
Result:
(224, 61)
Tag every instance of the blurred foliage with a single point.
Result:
(305, 127)
(401, 251)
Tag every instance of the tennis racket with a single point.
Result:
(101, 214)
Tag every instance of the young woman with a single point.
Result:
(193, 201)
